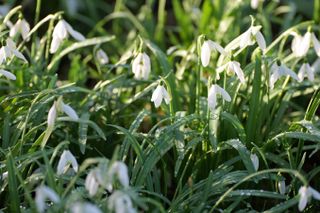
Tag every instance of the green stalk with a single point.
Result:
(36, 19)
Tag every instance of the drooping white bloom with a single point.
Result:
(233, 67)
(92, 182)
(7, 74)
(255, 161)
(316, 65)
(306, 69)
(69, 111)
(66, 159)
(61, 32)
(22, 27)
(120, 202)
(206, 49)
(212, 96)
(282, 187)
(85, 208)
(278, 71)
(102, 57)
(305, 194)
(159, 94)
(255, 3)
(316, 43)
(52, 115)
(120, 169)
(10, 50)
(42, 194)
(141, 66)
(249, 37)
(301, 44)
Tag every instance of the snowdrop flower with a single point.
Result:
(255, 161)
(232, 67)
(120, 202)
(278, 71)
(52, 115)
(102, 57)
(305, 194)
(206, 49)
(10, 50)
(120, 169)
(61, 32)
(43, 193)
(60, 106)
(306, 69)
(85, 208)
(282, 187)
(8, 74)
(160, 93)
(255, 3)
(141, 66)
(66, 159)
(212, 96)
(248, 38)
(301, 44)
(69, 111)
(92, 182)
(22, 27)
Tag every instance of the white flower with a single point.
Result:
(305, 194)
(206, 49)
(85, 208)
(10, 50)
(42, 194)
(8, 74)
(212, 96)
(282, 187)
(301, 44)
(66, 159)
(232, 67)
(120, 202)
(120, 169)
(22, 27)
(52, 115)
(102, 57)
(69, 111)
(247, 38)
(255, 161)
(60, 32)
(141, 66)
(160, 93)
(255, 3)
(306, 69)
(278, 71)
(92, 183)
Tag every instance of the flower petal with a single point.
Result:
(205, 53)
(316, 44)
(65, 159)
(225, 95)
(55, 43)
(69, 111)
(52, 114)
(237, 69)
(102, 57)
(261, 41)
(8, 74)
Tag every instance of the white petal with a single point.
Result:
(212, 98)
(287, 71)
(75, 34)
(43, 193)
(121, 170)
(55, 43)
(85, 208)
(91, 183)
(2, 55)
(310, 72)
(304, 45)
(146, 66)
(8, 74)
(237, 69)
(316, 44)
(69, 111)
(218, 47)
(255, 161)
(295, 45)
(315, 193)
(66, 159)
(14, 29)
(19, 55)
(245, 39)
(24, 29)
(275, 74)
(157, 96)
(282, 187)
(205, 53)
(102, 57)
(52, 115)
(137, 66)
(225, 95)
(301, 72)
(261, 41)
(60, 30)
(254, 4)
(165, 95)
(303, 198)
(315, 66)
